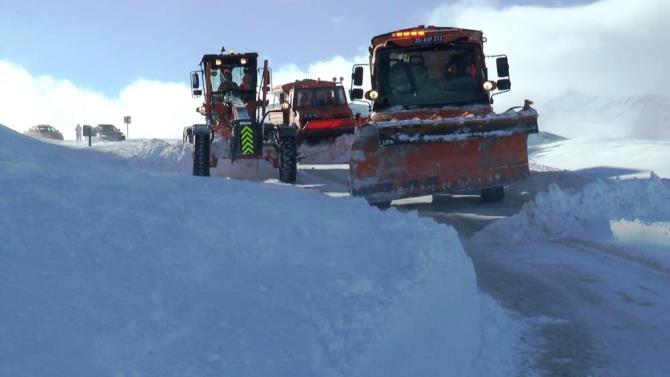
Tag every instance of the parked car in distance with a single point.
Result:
(44, 131)
(108, 132)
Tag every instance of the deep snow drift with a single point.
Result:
(575, 115)
(605, 156)
(107, 270)
(632, 216)
(174, 156)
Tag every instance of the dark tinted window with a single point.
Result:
(429, 76)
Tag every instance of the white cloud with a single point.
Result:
(610, 47)
(337, 67)
(158, 109)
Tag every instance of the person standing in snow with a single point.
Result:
(77, 130)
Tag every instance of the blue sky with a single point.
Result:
(103, 45)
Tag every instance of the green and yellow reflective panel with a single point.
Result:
(247, 138)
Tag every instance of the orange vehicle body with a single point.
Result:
(409, 151)
(319, 108)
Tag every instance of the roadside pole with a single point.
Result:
(126, 120)
(88, 131)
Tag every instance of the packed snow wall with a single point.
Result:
(107, 270)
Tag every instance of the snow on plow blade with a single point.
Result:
(399, 159)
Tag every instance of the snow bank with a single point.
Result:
(654, 234)
(614, 211)
(607, 156)
(576, 114)
(337, 152)
(155, 154)
(107, 270)
(176, 157)
(650, 240)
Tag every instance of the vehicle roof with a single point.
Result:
(306, 84)
(224, 56)
(44, 127)
(430, 29)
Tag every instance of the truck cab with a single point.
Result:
(319, 109)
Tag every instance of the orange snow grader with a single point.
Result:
(319, 108)
(432, 128)
(235, 112)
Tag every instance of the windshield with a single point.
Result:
(107, 127)
(320, 97)
(240, 78)
(429, 76)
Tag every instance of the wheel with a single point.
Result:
(201, 155)
(493, 194)
(288, 159)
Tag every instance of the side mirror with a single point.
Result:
(504, 84)
(282, 98)
(356, 93)
(357, 76)
(195, 81)
(197, 92)
(503, 67)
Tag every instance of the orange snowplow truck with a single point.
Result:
(432, 128)
(319, 108)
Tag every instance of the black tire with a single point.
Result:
(493, 194)
(201, 155)
(288, 160)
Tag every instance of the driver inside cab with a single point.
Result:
(227, 82)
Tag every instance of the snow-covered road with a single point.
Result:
(590, 306)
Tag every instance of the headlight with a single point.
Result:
(285, 105)
(489, 86)
(201, 109)
(243, 61)
(373, 95)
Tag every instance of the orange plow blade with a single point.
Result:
(400, 159)
(325, 128)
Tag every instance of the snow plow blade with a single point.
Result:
(408, 158)
(327, 128)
